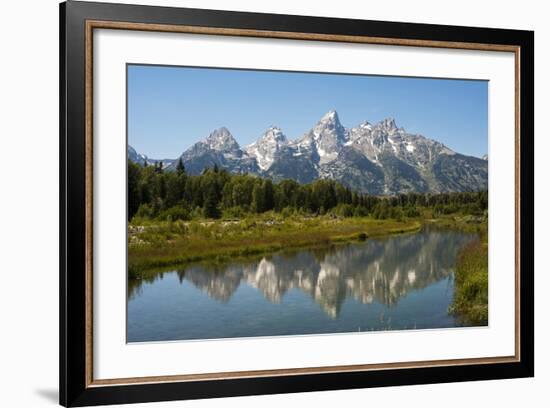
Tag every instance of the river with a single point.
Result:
(394, 283)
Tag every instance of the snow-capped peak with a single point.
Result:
(379, 158)
(266, 149)
(328, 135)
(330, 116)
(329, 124)
(221, 140)
(274, 133)
(388, 124)
(365, 125)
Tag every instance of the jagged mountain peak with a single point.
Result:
(273, 133)
(328, 125)
(330, 122)
(331, 115)
(326, 138)
(266, 149)
(387, 124)
(134, 156)
(365, 125)
(221, 139)
(376, 158)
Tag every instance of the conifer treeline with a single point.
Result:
(154, 193)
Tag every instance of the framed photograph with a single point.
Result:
(256, 203)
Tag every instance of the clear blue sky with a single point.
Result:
(170, 108)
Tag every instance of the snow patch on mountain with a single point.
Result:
(379, 158)
(222, 140)
(326, 138)
(266, 149)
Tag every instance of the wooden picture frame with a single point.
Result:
(78, 20)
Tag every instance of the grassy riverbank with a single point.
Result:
(470, 301)
(154, 245)
(159, 244)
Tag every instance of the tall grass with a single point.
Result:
(172, 243)
(470, 301)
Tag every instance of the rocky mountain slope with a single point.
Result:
(373, 158)
(142, 159)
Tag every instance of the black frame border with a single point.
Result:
(72, 125)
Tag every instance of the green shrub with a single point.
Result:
(287, 212)
(362, 236)
(412, 212)
(360, 212)
(397, 213)
(174, 213)
(344, 210)
(234, 212)
(471, 284)
(196, 213)
(145, 211)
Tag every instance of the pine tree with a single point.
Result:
(269, 195)
(133, 189)
(158, 167)
(258, 198)
(162, 187)
(211, 209)
(180, 168)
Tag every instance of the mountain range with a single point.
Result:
(379, 158)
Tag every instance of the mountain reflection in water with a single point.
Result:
(378, 270)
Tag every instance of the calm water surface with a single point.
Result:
(402, 282)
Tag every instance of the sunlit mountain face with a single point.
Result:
(375, 158)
